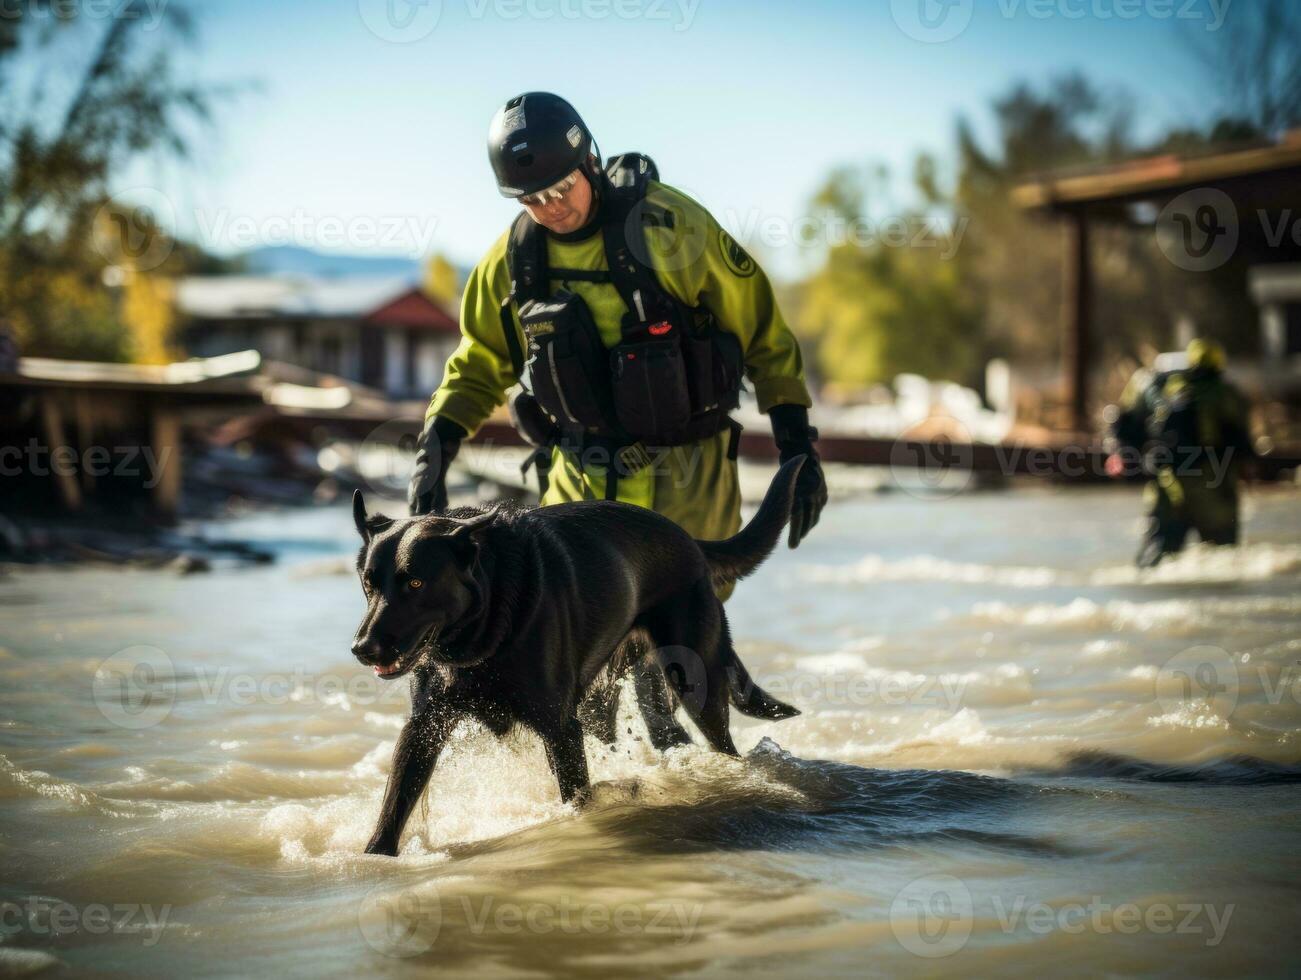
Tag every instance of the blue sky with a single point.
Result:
(746, 105)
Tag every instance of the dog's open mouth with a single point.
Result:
(409, 659)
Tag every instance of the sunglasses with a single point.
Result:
(553, 193)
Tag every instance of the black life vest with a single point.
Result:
(674, 375)
(1175, 415)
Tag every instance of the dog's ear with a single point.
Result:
(359, 514)
(367, 525)
(465, 529)
(464, 538)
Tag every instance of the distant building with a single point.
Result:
(1236, 202)
(385, 334)
(1277, 291)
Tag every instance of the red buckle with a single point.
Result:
(660, 329)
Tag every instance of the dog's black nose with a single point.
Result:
(367, 649)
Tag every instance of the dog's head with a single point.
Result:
(419, 580)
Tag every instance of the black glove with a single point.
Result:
(435, 450)
(794, 437)
(531, 422)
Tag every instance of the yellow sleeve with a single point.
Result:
(704, 265)
(479, 372)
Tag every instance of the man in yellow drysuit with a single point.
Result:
(630, 315)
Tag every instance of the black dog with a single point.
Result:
(509, 616)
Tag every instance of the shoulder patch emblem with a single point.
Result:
(737, 259)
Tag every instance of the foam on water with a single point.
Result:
(927, 568)
(860, 683)
(1176, 616)
(1198, 564)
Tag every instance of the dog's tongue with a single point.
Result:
(388, 671)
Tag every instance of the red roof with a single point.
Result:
(414, 309)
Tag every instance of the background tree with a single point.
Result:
(1257, 60)
(83, 97)
(873, 311)
(442, 281)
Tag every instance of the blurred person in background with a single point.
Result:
(1188, 430)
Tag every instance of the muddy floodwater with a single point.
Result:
(1016, 757)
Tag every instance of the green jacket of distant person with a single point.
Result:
(694, 260)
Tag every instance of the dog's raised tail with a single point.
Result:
(736, 557)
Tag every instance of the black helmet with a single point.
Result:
(535, 140)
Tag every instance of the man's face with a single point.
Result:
(563, 207)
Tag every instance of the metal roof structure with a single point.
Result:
(384, 301)
(1257, 187)
(1272, 170)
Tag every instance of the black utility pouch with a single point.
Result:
(650, 389)
(567, 363)
(698, 360)
(714, 363)
(728, 367)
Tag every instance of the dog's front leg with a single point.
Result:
(414, 758)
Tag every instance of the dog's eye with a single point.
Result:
(415, 583)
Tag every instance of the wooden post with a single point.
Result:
(52, 420)
(85, 421)
(166, 440)
(1077, 300)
